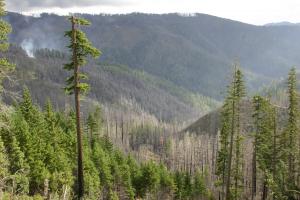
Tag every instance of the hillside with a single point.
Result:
(188, 51)
(210, 123)
(115, 85)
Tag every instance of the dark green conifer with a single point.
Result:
(5, 28)
(81, 48)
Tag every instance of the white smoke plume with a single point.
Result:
(28, 46)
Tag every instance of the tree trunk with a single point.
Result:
(254, 172)
(274, 158)
(265, 191)
(228, 181)
(77, 108)
(122, 130)
(254, 161)
(237, 152)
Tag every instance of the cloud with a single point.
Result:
(255, 11)
(28, 5)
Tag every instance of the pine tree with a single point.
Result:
(18, 166)
(80, 48)
(93, 126)
(4, 163)
(188, 187)
(223, 153)
(148, 179)
(263, 140)
(179, 183)
(167, 185)
(292, 124)
(231, 140)
(257, 118)
(199, 187)
(29, 128)
(5, 29)
(57, 160)
(290, 136)
(239, 94)
(102, 163)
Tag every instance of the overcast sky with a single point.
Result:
(250, 11)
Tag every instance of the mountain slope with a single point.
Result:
(193, 52)
(116, 85)
(210, 123)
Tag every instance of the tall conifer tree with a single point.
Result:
(263, 141)
(81, 48)
(290, 137)
(5, 29)
(229, 161)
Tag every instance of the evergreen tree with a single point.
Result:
(29, 127)
(147, 180)
(18, 166)
(223, 153)
(4, 163)
(290, 137)
(167, 185)
(102, 163)
(231, 140)
(238, 95)
(80, 48)
(5, 29)
(263, 140)
(57, 161)
(179, 183)
(188, 186)
(199, 187)
(93, 125)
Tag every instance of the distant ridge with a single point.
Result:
(190, 52)
(284, 23)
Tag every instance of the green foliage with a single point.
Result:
(5, 29)
(264, 121)
(290, 142)
(276, 153)
(147, 179)
(83, 48)
(199, 186)
(40, 147)
(189, 186)
(18, 167)
(229, 160)
(4, 163)
(94, 124)
(223, 153)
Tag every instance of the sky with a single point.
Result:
(256, 12)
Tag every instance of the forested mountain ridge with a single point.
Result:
(186, 50)
(113, 85)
